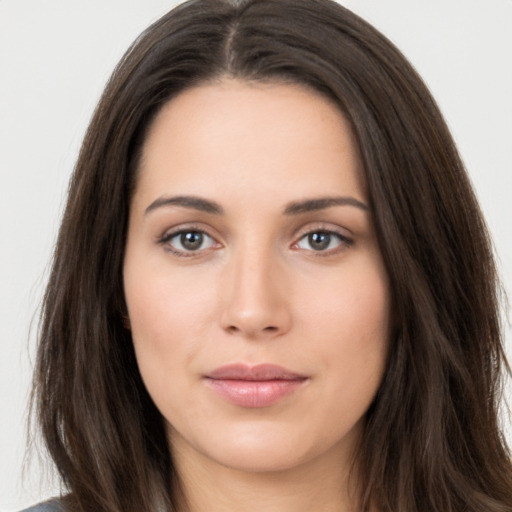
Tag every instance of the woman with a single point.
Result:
(272, 287)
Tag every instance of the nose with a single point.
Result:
(255, 297)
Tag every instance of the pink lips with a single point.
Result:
(253, 386)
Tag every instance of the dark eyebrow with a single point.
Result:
(310, 205)
(193, 202)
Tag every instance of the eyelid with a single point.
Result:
(327, 227)
(342, 233)
(170, 233)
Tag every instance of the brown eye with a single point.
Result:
(322, 241)
(319, 241)
(191, 240)
(188, 241)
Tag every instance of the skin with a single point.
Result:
(257, 291)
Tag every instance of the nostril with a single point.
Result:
(233, 329)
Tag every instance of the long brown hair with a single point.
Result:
(432, 440)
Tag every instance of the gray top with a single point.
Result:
(47, 506)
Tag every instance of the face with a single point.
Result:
(257, 297)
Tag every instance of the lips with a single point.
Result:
(254, 386)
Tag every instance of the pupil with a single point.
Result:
(319, 241)
(191, 240)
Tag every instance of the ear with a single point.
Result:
(121, 311)
(126, 322)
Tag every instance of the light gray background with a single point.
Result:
(55, 56)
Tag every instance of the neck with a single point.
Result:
(319, 485)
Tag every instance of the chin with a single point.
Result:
(265, 447)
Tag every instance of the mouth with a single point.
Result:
(254, 386)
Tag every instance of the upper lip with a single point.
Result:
(260, 372)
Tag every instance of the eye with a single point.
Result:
(187, 241)
(323, 241)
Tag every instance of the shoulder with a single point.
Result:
(47, 506)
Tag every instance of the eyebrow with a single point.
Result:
(196, 203)
(311, 205)
(293, 208)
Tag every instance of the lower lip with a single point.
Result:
(254, 394)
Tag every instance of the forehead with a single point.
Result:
(229, 134)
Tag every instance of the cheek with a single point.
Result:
(165, 337)
(349, 320)
(162, 310)
(355, 302)
(172, 315)
(161, 297)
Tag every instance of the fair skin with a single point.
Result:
(250, 269)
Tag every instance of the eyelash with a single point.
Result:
(168, 236)
(344, 241)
